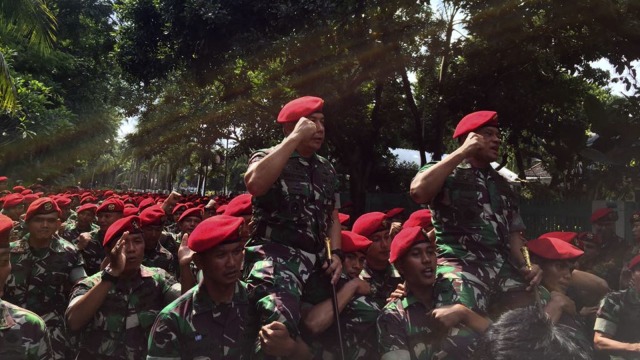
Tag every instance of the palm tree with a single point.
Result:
(33, 20)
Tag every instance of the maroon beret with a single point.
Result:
(3, 178)
(635, 261)
(343, 218)
(26, 192)
(195, 212)
(553, 249)
(6, 224)
(43, 205)
(240, 205)
(404, 240)
(12, 200)
(178, 208)
(394, 212)
(87, 207)
(63, 201)
(153, 215)
(146, 203)
(107, 193)
(295, 109)
(18, 188)
(369, 223)
(88, 199)
(420, 218)
(111, 205)
(29, 198)
(604, 214)
(566, 236)
(635, 217)
(475, 121)
(128, 211)
(221, 209)
(215, 231)
(352, 242)
(119, 227)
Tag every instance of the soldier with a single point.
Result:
(152, 221)
(211, 319)
(240, 206)
(188, 221)
(210, 209)
(85, 222)
(294, 210)
(90, 244)
(476, 218)
(45, 267)
(618, 319)
(23, 334)
(414, 327)
(625, 274)
(14, 208)
(358, 312)
(114, 309)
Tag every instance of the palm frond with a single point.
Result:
(32, 19)
(8, 93)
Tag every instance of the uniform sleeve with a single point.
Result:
(608, 315)
(39, 348)
(164, 339)
(170, 287)
(392, 336)
(80, 289)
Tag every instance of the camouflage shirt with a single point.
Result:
(619, 316)
(383, 283)
(93, 254)
(120, 327)
(194, 327)
(71, 231)
(609, 262)
(23, 334)
(474, 213)
(297, 209)
(169, 242)
(161, 258)
(40, 281)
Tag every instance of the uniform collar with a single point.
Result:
(22, 246)
(203, 303)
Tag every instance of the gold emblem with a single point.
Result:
(48, 206)
(135, 224)
(111, 207)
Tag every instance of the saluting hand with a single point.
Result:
(117, 256)
(473, 144)
(304, 130)
(185, 255)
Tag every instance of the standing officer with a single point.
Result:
(294, 210)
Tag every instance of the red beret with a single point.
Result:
(420, 218)
(352, 242)
(369, 223)
(153, 215)
(107, 193)
(87, 207)
(115, 230)
(635, 261)
(604, 214)
(240, 205)
(394, 212)
(566, 236)
(63, 201)
(43, 205)
(6, 224)
(295, 109)
(221, 209)
(475, 121)
(18, 188)
(635, 217)
(26, 192)
(111, 205)
(404, 240)
(343, 218)
(88, 199)
(215, 231)
(29, 198)
(128, 211)
(553, 249)
(3, 178)
(195, 212)
(146, 203)
(12, 200)
(179, 207)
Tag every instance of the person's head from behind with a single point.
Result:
(528, 334)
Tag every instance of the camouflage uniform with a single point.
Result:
(169, 242)
(71, 231)
(473, 215)
(161, 258)
(40, 281)
(18, 232)
(93, 254)
(383, 283)
(609, 262)
(195, 327)
(404, 328)
(23, 334)
(619, 318)
(287, 243)
(120, 327)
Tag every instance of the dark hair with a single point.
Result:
(528, 334)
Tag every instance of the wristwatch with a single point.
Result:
(107, 276)
(339, 253)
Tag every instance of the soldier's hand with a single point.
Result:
(450, 315)
(534, 276)
(275, 339)
(172, 199)
(185, 255)
(398, 293)
(305, 129)
(117, 256)
(473, 144)
(83, 241)
(335, 269)
(362, 287)
(564, 302)
(588, 311)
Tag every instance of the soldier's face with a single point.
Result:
(134, 251)
(85, 219)
(556, 275)
(222, 265)
(379, 249)
(151, 235)
(5, 267)
(189, 223)
(636, 231)
(43, 226)
(418, 265)
(492, 138)
(635, 278)
(605, 229)
(105, 219)
(15, 212)
(353, 264)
